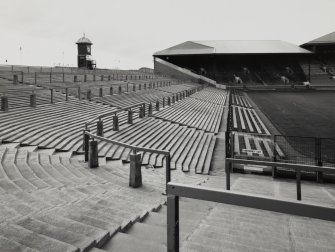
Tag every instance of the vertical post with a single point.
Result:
(22, 78)
(309, 71)
(135, 176)
(100, 92)
(50, 77)
(100, 128)
(93, 154)
(130, 116)
(298, 178)
(35, 77)
(115, 123)
(319, 174)
(150, 109)
(63, 77)
(52, 96)
(157, 105)
(79, 93)
(85, 78)
(172, 223)
(33, 100)
(163, 102)
(169, 101)
(15, 79)
(89, 95)
(4, 103)
(145, 86)
(120, 89)
(111, 91)
(227, 168)
(140, 86)
(167, 170)
(143, 106)
(66, 94)
(274, 158)
(93, 77)
(86, 141)
(74, 78)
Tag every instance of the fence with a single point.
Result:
(305, 150)
(176, 190)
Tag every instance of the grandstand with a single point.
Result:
(185, 131)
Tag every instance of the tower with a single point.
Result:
(84, 53)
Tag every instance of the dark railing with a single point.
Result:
(88, 136)
(296, 167)
(176, 190)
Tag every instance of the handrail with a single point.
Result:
(111, 113)
(133, 147)
(297, 167)
(176, 190)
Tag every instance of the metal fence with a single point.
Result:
(304, 150)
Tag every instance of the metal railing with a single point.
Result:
(296, 167)
(99, 117)
(176, 190)
(88, 136)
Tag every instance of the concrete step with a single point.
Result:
(148, 232)
(7, 245)
(129, 243)
(34, 240)
(80, 241)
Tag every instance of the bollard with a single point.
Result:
(86, 140)
(120, 89)
(135, 176)
(4, 103)
(93, 77)
(100, 92)
(150, 85)
(93, 154)
(15, 79)
(115, 123)
(66, 94)
(145, 86)
(141, 112)
(85, 78)
(109, 77)
(150, 109)
(139, 87)
(75, 78)
(130, 116)
(173, 99)
(35, 77)
(51, 96)
(177, 97)
(33, 100)
(111, 91)
(63, 77)
(143, 109)
(163, 103)
(79, 96)
(134, 87)
(169, 101)
(100, 128)
(157, 105)
(50, 77)
(89, 94)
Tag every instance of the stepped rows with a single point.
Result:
(57, 204)
(56, 126)
(212, 95)
(191, 149)
(247, 120)
(128, 99)
(199, 112)
(251, 138)
(262, 147)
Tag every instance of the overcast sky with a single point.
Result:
(126, 33)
